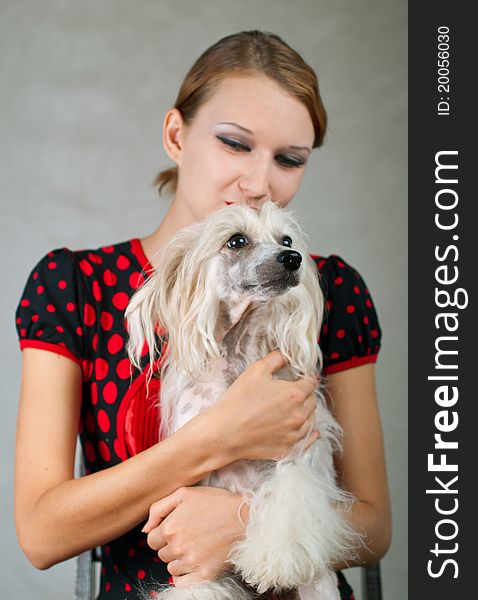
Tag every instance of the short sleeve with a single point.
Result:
(49, 313)
(350, 334)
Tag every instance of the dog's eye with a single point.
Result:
(236, 241)
(287, 241)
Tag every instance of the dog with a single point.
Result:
(229, 290)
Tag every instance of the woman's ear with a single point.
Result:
(173, 129)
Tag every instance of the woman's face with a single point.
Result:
(249, 141)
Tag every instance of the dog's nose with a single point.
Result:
(290, 259)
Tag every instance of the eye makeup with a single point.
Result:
(283, 159)
(233, 143)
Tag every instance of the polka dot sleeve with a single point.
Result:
(350, 334)
(49, 313)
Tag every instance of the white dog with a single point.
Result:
(228, 290)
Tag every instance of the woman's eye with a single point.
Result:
(289, 161)
(236, 241)
(287, 241)
(235, 144)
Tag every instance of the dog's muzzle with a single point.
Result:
(290, 260)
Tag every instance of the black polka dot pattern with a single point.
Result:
(73, 304)
(350, 334)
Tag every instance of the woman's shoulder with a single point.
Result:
(122, 256)
(68, 291)
(103, 264)
(339, 277)
(351, 333)
(335, 269)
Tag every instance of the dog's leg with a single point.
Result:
(294, 532)
(225, 588)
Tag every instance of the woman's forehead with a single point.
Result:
(257, 104)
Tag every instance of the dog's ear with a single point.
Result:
(193, 308)
(148, 310)
(141, 321)
(295, 321)
(180, 299)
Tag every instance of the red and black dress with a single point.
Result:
(73, 304)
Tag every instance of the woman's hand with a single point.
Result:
(259, 417)
(193, 530)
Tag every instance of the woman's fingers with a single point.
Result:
(307, 426)
(273, 361)
(160, 510)
(156, 539)
(307, 384)
(184, 581)
(167, 555)
(314, 436)
(310, 404)
(175, 568)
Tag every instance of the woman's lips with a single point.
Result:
(254, 208)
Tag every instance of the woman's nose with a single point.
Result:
(256, 183)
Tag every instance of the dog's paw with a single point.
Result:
(266, 567)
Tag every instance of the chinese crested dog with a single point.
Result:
(229, 290)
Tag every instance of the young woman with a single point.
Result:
(246, 119)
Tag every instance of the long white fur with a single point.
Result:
(296, 527)
(225, 588)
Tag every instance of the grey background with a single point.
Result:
(83, 90)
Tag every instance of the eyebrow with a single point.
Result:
(309, 150)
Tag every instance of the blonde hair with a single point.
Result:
(247, 53)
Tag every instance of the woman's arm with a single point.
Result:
(361, 468)
(58, 516)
